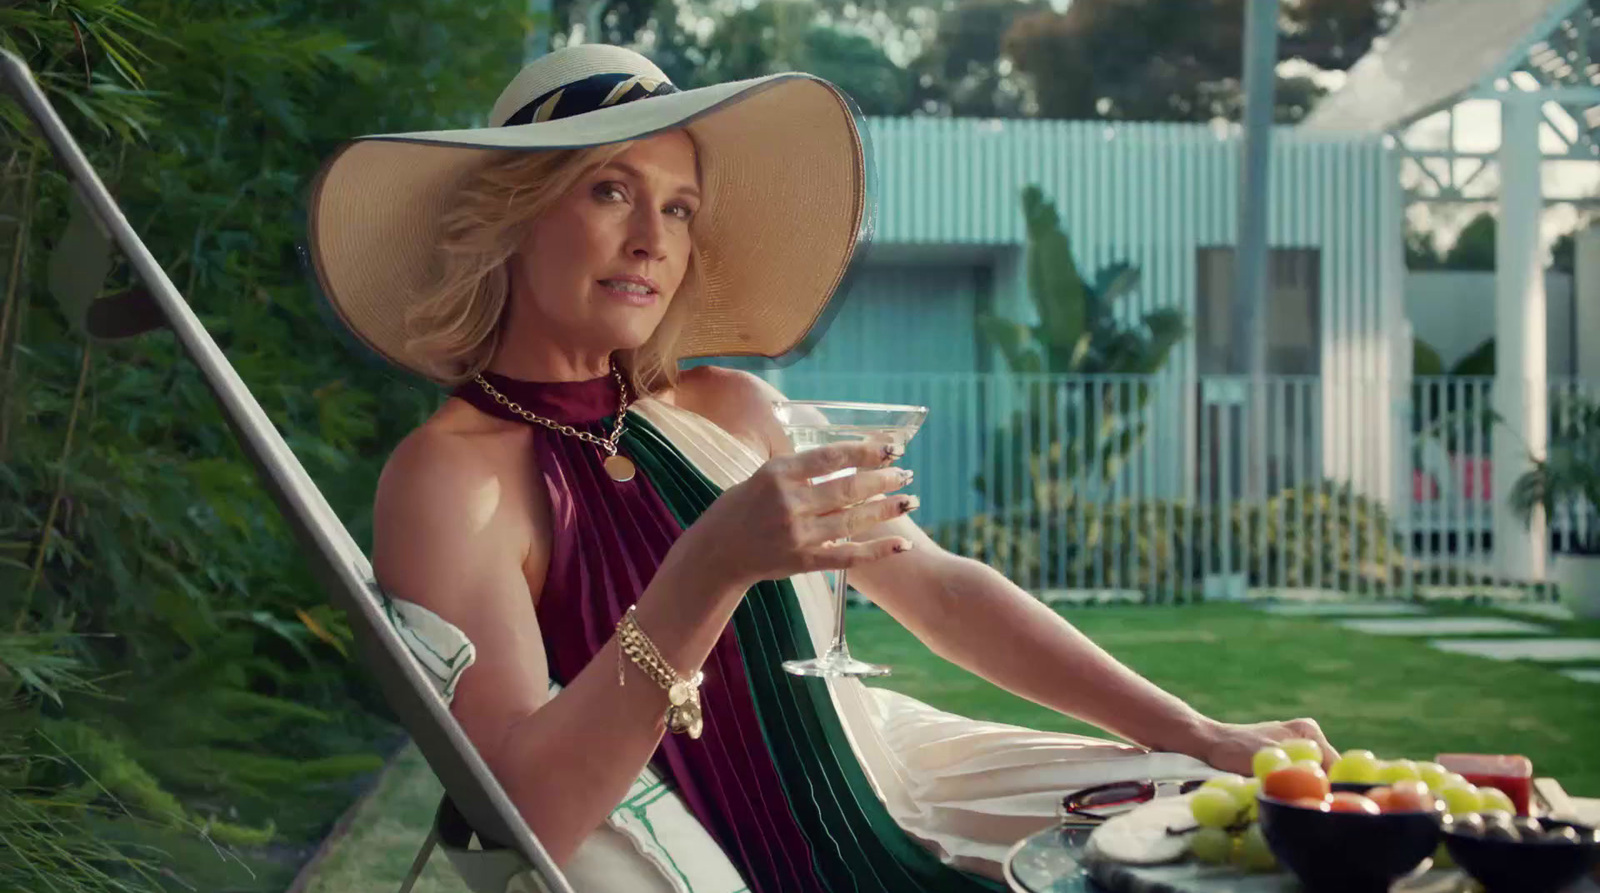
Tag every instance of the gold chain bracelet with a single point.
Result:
(682, 694)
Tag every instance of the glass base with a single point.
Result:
(833, 665)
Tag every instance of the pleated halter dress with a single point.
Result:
(772, 777)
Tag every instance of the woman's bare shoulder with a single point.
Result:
(736, 401)
(454, 490)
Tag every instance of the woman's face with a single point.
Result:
(598, 269)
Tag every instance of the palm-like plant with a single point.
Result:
(1569, 474)
(1089, 424)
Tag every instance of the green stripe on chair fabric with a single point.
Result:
(856, 843)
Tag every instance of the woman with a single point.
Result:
(644, 541)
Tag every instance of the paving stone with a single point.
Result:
(1583, 674)
(1084, 596)
(1443, 626)
(1344, 609)
(1523, 649)
(1547, 610)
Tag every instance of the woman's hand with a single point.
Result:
(1230, 747)
(776, 523)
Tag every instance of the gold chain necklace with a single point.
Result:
(620, 468)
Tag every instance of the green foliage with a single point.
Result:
(1478, 362)
(1079, 330)
(1474, 245)
(1569, 474)
(1564, 254)
(1177, 60)
(784, 35)
(1421, 252)
(1325, 534)
(179, 706)
(1091, 423)
(1424, 359)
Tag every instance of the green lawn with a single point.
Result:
(1396, 697)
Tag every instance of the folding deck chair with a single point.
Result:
(474, 800)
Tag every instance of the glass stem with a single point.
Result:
(840, 586)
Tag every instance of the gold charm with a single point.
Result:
(684, 718)
(695, 728)
(678, 694)
(620, 468)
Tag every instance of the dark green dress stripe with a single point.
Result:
(856, 843)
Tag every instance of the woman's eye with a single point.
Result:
(609, 192)
(682, 212)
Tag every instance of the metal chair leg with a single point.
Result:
(420, 862)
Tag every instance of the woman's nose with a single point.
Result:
(647, 240)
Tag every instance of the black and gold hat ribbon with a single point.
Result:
(594, 92)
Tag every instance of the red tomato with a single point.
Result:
(1384, 797)
(1410, 796)
(1349, 801)
(1317, 803)
(1293, 782)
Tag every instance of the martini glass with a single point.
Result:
(811, 424)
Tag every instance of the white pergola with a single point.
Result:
(1536, 58)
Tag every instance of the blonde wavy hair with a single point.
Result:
(456, 326)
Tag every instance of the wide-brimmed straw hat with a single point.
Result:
(782, 163)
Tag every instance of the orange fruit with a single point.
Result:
(1410, 796)
(1350, 801)
(1383, 796)
(1318, 803)
(1304, 779)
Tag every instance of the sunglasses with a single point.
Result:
(1094, 805)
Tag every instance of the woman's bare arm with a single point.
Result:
(971, 615)
(449, 537)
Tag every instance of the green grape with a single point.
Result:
(1211, 845)
(1397, 770)
(1496, 799)
(1358, 766)
(1253, 853)
(1441, 858)
(1214, 808)
(1302, 749)
(1233, 784)
(1432, 773)
(1269, 760)
(1247, 796)
(1461, 798)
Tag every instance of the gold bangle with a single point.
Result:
(683, 695)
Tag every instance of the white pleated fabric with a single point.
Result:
(967, 789)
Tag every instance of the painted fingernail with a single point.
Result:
(902, 547)
(909, 503)
(906, 476)
(892, 452)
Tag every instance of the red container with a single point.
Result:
(1512, 773)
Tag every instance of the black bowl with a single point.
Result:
(1347, 851)
(1522, 866)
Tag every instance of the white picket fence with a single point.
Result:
(1343, 499)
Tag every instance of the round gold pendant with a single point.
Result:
(678, 694)
(620, 468)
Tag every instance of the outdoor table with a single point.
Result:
(1048, 862)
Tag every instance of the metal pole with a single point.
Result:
(325, 543)
(537, 41)
(1249, 316)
